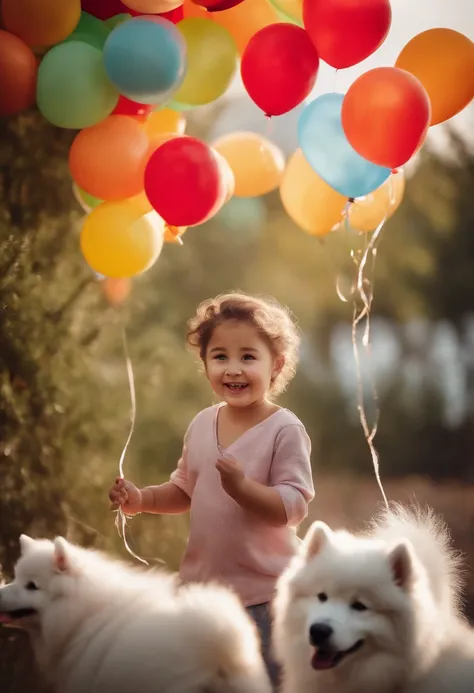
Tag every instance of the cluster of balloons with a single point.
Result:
(122, 72)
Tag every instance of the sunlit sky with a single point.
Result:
(410, 17)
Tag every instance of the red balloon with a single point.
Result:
(279, 67)
(104, 9)
(182, 181)
(386, 114)
(346, 31)
(217, 5)
(132, 108)
(173, 16)
(18, 71)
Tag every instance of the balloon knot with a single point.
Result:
(351, 200)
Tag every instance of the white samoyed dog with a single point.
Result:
(375, 613)
(98, 625)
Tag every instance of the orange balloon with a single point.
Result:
(173, 233)
(190, 9)
(396, 107)
(116, 290)
(312, 204)
(18, 71)
(108, 160)
(41, 22)
(244, 20)
(443, 61)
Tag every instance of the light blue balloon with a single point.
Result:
(145, 59)
(328, 152)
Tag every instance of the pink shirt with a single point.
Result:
(227, 543)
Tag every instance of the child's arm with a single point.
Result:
(165, 499)
(169, 498)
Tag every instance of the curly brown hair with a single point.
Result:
(274, 323)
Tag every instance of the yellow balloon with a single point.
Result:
(256, 162)
(312, 204)
(162, 126)
(164, 121)
(211, 58)
(118, 241)
(443, 61)
(227, 179)
(366, 213)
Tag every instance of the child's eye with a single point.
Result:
(248, 357)
(219, 357)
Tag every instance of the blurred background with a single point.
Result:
(65, 401)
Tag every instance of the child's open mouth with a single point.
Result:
(236, 387)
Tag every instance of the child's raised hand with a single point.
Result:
(232, 475)
(126, 495)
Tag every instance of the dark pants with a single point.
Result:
(262, 617)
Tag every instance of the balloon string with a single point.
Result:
(121, 518)
(371, 250)
(362, 281)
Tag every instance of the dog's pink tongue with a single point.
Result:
(322, 660)
(5, 618)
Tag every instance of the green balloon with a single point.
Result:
(73, 89)
(176, 106)
(283, 17)
(112, 22)
(88, 202)
(90, 30)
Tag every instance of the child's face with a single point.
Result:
(240, 365)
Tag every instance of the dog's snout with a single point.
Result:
(319, 634)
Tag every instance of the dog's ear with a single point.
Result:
(401, 563)
(26, 543)
(316, 537)
(62, 562)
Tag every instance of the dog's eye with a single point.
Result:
(323, 597)
(358, 606)
(31, 586)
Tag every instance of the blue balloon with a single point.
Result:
(328, 152)
(145, 58)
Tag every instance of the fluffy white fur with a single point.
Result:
(99, 626)
(390, 597)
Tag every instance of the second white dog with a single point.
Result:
(376, 613)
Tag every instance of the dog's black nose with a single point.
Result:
(319, 634)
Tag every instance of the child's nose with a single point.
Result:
(234, 369)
